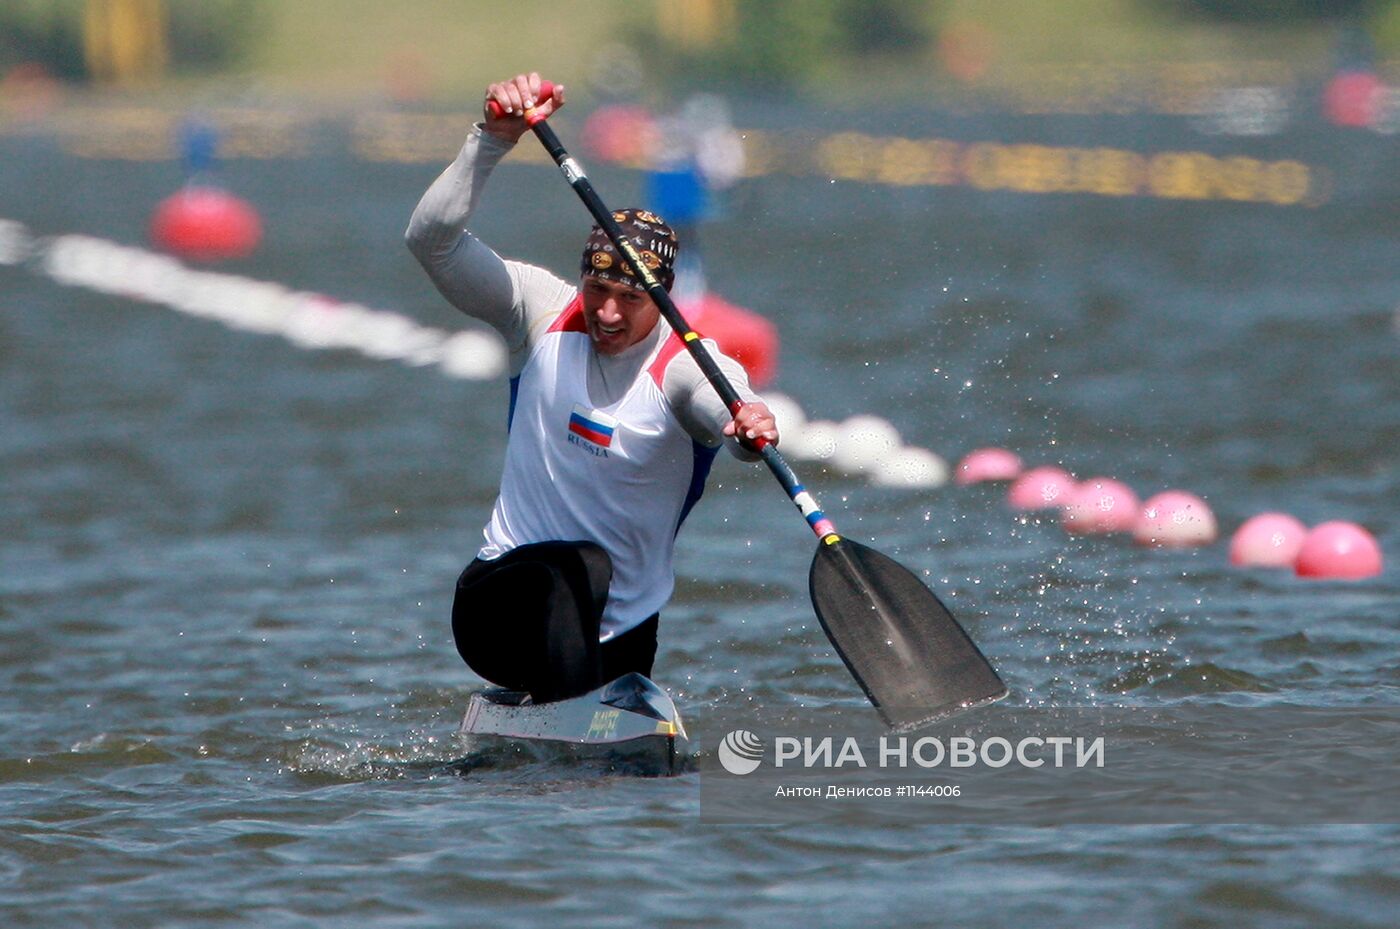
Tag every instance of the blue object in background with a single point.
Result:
(199, 147)
(679, 195)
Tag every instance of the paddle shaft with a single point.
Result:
(578, 180)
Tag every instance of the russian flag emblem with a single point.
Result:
(592, 425)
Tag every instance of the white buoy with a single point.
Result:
(473, 356)
(864, 442)
(787, 412)
(911, 467)
(814, 441)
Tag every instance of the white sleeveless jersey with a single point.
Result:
(623, 476)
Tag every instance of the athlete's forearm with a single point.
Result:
(468, 273)
(442, 214)
(698, 406)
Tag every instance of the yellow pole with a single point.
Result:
(124, 40)
(695, 24)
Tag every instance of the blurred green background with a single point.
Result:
(440, 50)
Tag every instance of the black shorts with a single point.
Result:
(529, 621)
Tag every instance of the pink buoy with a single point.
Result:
(1267, 540)
(619, 133)
(1338, 550)
(987, 464)
(1100, 504)
(741, 334)
(1040, 488)
(1175, 518)
(206, 224)
(1353, 98)
(28, 91)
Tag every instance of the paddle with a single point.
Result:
(902, 645)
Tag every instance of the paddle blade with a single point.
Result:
(915, 663)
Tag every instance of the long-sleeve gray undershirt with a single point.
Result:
(520, 300)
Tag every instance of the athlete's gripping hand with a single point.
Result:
(754, 420)
(515, 96)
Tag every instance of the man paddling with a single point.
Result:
(612, 432)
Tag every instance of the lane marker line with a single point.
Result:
(306, 319)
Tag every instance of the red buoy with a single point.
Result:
(619, 133)
(987, 464)
(1353, 98)
(1175, 519)
(741, 334)
(1041, 488)
(206, 224)
(1339, 550)
(1267, 540)
(1100, 504)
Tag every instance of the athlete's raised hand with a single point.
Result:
(514, 97)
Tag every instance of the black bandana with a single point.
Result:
(646, 232)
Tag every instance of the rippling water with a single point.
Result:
(228, 682)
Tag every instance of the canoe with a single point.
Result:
(630, 724)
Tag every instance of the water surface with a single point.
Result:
(226, 672)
